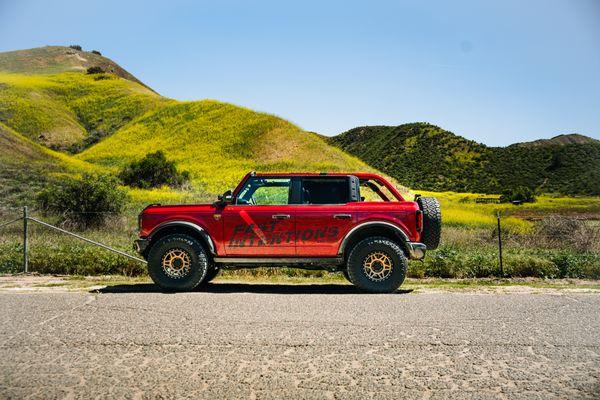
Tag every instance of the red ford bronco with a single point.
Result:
(358, 224)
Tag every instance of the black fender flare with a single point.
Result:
(371, 224)
(190, 225)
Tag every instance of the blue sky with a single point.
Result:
(495, 72)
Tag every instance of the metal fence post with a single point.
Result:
(500, 245)
(25, 240)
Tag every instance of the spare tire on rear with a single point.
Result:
(432, 222)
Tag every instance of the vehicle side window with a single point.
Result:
(325, 191)
(265, 191)
(374, 192)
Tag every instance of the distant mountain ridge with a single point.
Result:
(571, 138)
(421, 155)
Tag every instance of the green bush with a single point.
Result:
(83, 203)
(154, 170)
(75, 47)
(95, 70)
(443, 263)
(92, 138)
(577, 265)
(96, 52)
(524, 265)
(480, 265)
(521, 194)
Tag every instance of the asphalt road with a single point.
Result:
(253, 341)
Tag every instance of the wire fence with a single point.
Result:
(25, 219)
(22, 226)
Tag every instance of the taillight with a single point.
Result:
(419, 221)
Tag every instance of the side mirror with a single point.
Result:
(226, 197)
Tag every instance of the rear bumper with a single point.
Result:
(416, 251)
(141, 245)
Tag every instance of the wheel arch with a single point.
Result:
(182, 227)
(373, 228)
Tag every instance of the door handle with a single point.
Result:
(281, 216)
(342, 216)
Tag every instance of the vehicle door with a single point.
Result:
(260, 222)
(325, 215)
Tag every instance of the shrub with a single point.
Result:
(521, 194)
(84, 203)
(95, 70)
(96, 52)
(92, 138)
(560, 231)
(154, 170)
(525, 265)
(443, 264)
(75, 47)
(480, 264)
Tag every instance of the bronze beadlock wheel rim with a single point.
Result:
(378, 266)
(176, 263)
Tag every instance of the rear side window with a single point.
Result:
(325, 191)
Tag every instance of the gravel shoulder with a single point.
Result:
(61, 283)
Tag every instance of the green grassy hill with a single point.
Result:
(68, 110)
(26, 166)
(427, 157)
(103, 121)
(217, 142)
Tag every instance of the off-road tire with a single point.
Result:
(345, 273)
(432, 222)
(198, 266)
(361, 253)
(210, 274)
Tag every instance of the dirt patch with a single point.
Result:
(68, 283)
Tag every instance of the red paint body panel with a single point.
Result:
(311, 230)
(319, 233)
(251, 230)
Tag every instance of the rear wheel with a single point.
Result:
(345, 272)
(177, 262)
(377, 265)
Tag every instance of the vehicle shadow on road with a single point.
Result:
(246, 288)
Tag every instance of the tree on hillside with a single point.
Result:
(521, 194)
(95, 70)
(154, 170)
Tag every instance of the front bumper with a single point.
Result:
(416, 251)
(141, 245)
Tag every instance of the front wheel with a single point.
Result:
(211, 274)
(377, 265)
(177, 262)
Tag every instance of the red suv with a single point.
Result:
(358, 224)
